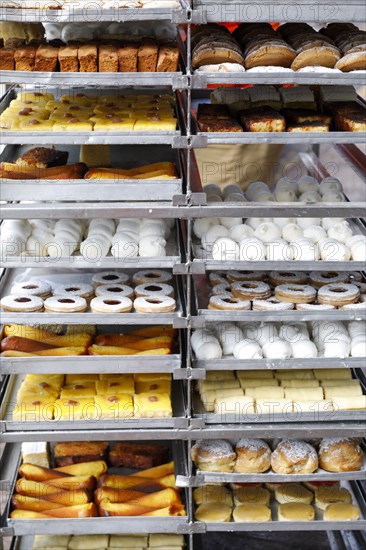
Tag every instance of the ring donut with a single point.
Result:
(153, 289)
(22, 303)
(251, 290)
(361, 304)
(272, 304)
(32, 288)
(314, 307)
(223, 288)
(360, 286)
(319, 279)
(216, 278)
(154, 304)
(295, 294)
(288, 278)
(109, 277)
(115, 291)
(65, 304)
(152, 276)
(107, 304)
(77, 289)
(229, 303)
(355, 276)
(237, 276)
(338, 294)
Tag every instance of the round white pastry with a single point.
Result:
(202, 225)
(332, 250)
(37, 243)
(254, 187)
(285, 195)
(357, 328)
(235, 197)
(307, 183)
(329, 222)
(199, 336)
(277, 349)
(358, 346)
(231, 188)
(305, 222)
(229, 336)
(310, 196)
(252, 249)
(265, 332)
(329, 183)
(230, 222)
(241, 231)
(126, 236)
(214, 198)
(291, 232)
(128, 225)
(355, 239)
(264, 196)
(285, 183)
(208, 351)
(255, 222)
(152, 246)
(46, 225)
(305, 250)
(358, 250)
(338, 349)
(333, 196)
(212, 188)
(279, 250)
(340, 231)
(247, 349)
(304, 349)
(268, 232)
(147, 230)
(281, 222)
(124, 247)
(294, 332)
(315, 233)
(94, 248)
(108, 223)
(215, 232)
(225, 250)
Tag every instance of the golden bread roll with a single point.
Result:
(253, 456)
(340, 455)
(252, 512)
(294, 457)
(212, 493)
(341, 512)
(295, 511)
(212, 511)
(331, 495)
(251, 495)
(213, 455)
(293, 493)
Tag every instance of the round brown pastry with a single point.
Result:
(352, 61)
(321, 278)
(294, 457)
(294, 493)
(288, 277)
(237, 276)
(322, 56)
(338, 294)
(229, 303)
(272, 54)
(295, 294)
(295, 511)
(223, 288)
(253, 456)
(32, 288)
(250, 290)
(215, 455)
(355, 276)
(340, 455)
(21, 303)
(216, 52)
(213, 511)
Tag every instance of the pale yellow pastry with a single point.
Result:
(128, 541)
(213, 512)
(258, 382)
(293, 492)
(304, 394)
(114, 406)
(116, 124)
(78, 390)
(349, 403)
(332, 374)
(212, 493)
(252, 513)
(251, 495)
(151, 377)
(234, 405)
(88, 542)
(256, 374)
(330, 495)
(314, 406)
(157, 540)
(295, 511)
(80, 378)
(35, 410)
(303, 383)
(82, 408)
(299, 374)
(273, 406)
(340, 383)
(72, 125)
(111, 387)
(341, 512)
(152, 405)
(36, 125)
(342, 391)
(162, 386)
(263, 392)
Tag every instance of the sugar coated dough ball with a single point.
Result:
(305, 250)
(329, 184)
(340, 231)
(305, 222)
(291, 232)
(255, 222)
(279, 250)
(315, 233)
(307, 183)
(241, 231)
(281, 222)
(214, 233)
(225, 249)
(252, 249)
(268, 232)
(247, 349)
(230, 222)
(304, 349)
(329, 222)
(202, 225)
(277, 349)
(285, 195)
(334, 250)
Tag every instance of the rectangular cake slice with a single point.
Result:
(24, 58)
(7, 59)
(88, 58)
(108, 58)
(68, 59)
(46, 59)
(168, 59)
(147, 56)
(127, 58)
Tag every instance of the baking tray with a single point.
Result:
(97, 525)
(7, 424)
(97, 190)
(88, 138)
(230, 363)
(54, 277)
(201, 297)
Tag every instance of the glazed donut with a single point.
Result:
(114, 291)
(77, 289)
(154, 304)
(110, 277)
(237, 276)
(314, 307)
(287, 278)
(338, 294)
(32, 288)
(216, 279)
(271, 304)
(319, 279)
(296, 294)
(250, 290)
(152, 276)
(65, 304)
(153, 289)
(223, 288)
(22, 303)
(228, 303)
(106, 304)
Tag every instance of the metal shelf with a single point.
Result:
(203, 139)
(231, 363)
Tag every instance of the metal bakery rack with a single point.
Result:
(184, 200)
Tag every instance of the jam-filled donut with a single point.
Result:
(65, 304)
(110, 277)
(271, 304)
(115, 291)
(22, 303)
(319, 279)
(216, 278)
(338, 294)
(108, 304)
(154, 289)
(250, 290)
(295, 294)
(78, 289)
(152, 276)
(238, 276)
(229, 303)
(287, 278)
(154, 304)
(32, 288)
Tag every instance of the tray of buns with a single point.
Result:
(50, 117)
(106, 488)
(85, 291)
(127, 173)
(280, 507)
(87, 402)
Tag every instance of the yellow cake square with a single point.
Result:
(82, 408)
(158, 386)
(116, 124)
(152, 376)
(80, 378)
(37, 409)
(111, 387)
(86, 389)
(114, 406)
(72, 125)
(152, 405)
(36, 125)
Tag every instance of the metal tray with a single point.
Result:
(230, 363)
(97, 190)
(7, 424)
(54, 276)
(90, 526)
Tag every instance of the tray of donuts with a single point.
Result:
(75, 296)
(77, 481)
(95, 243)
(43, 402)
(295, 295)
(303, 395)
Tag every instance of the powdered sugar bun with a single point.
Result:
(306, 222)
(268, 232)
(215, 455)
(241, 231)
(306, 183)
(340, 231)
(319, 278)
(296, 294)
(251, 289)
(152, 276)
(271, 304)
(247, 349)
(106, 304)
(315, 233)
(294, 457)
(277, 349)
(114, 290)
(65, 304)
(78, 289)
(291, 232)
(254, 456)
(32, 288)
(225, 249)
(303, 349)
(154, 304)
(332, 250)
(338, 294)
(252, 250)
(279, 251)
(154, 289)
(340, 455)
(229, 303)
(21, 303)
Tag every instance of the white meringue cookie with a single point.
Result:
(268, 232)
(229, 338)
(254, 187)
(241, 231)
(291, 232)
(247, 349)
(230, 222)
(225, 250)
(332, 250)
(232, 188)
(235, 197)
(281, 222)
(152, 246)
(279, 250)
(212, 189)
(215, 232)
(208, 351)
(277, 349)
(337, 349)
(340, 231)
(305, 222)
(11, 245)
(333, 196)
(304, 349)
(124, 247)
(265, 332)
(202, 225)
(329, 222)
(305, 250)
(357, 328)
(201, 335)
(329, 184)
(286, 183)
(307, 183)
(358, 346)
(294, 332)
(315, 233)
(94, 248)
(255, 222)
(264, 196)
(285, 195)
(358, 251)
(252, 249)
(355, 239)
(310, 196)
